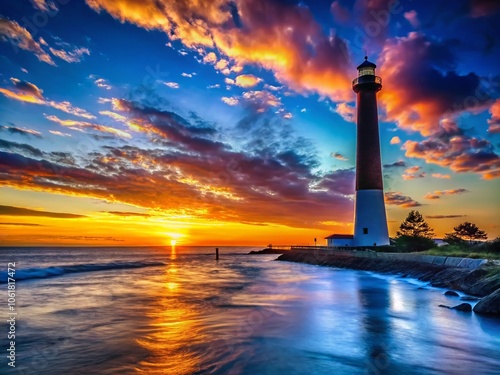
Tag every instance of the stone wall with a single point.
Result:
(411, 257)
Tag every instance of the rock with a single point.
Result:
(451, 293)
(469, 298)
(463, 307)
(446, 307)
(489, 304)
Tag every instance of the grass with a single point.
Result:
(461, 252)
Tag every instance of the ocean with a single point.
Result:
(164, 310)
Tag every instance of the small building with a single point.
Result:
(340, 240)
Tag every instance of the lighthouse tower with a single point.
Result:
(370, 221)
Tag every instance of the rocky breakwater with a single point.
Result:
(472, 276)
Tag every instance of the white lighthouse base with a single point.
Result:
(370, 220)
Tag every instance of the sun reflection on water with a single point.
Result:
(175, 328)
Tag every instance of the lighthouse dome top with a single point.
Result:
(366, 64)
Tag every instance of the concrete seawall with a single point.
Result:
(432, 259)
(469, 263)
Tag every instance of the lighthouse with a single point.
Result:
(370, 220)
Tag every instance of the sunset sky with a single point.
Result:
(220, 122)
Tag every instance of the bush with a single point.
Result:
(407, 244)
(493, 246)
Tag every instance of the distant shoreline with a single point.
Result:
(483, 281)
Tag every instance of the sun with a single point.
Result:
(173, 242)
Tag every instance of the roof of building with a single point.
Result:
(366, 64)
(340, 237)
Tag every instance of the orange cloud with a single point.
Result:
(439, 193)
(399, 199)
(494, 121)
(83, 124)
(230, 100)
(440, 175)
(412, 173)
(293, 46)
(22, 38)
(70, 56)
(459, 153)
(347, 112)
(395, 140)
(30, 93)
(247, 80)
(416, 94)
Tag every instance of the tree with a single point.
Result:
(414, 233)
(453, 239)
(415, 226)
(468, 231)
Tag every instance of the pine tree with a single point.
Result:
(469, 231)
(415, 226)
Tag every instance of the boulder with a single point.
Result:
(463, 307)
(489, 304)
(451, 293)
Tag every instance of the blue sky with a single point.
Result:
(190, 118)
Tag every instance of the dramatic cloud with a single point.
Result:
(30, 93)
(439, 193)
(341, 181)
(21, 148)
(460, 153)
(280, 37)
(18, 211)
(399, 199)
(191, 172)
(417, 93)
(19, 37)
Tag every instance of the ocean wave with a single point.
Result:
(43, 273)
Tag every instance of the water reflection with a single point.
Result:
(374, 304)
(176, 334)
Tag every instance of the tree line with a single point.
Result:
(415, 234)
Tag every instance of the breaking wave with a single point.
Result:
(43, 273)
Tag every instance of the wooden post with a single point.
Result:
(216, 253)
